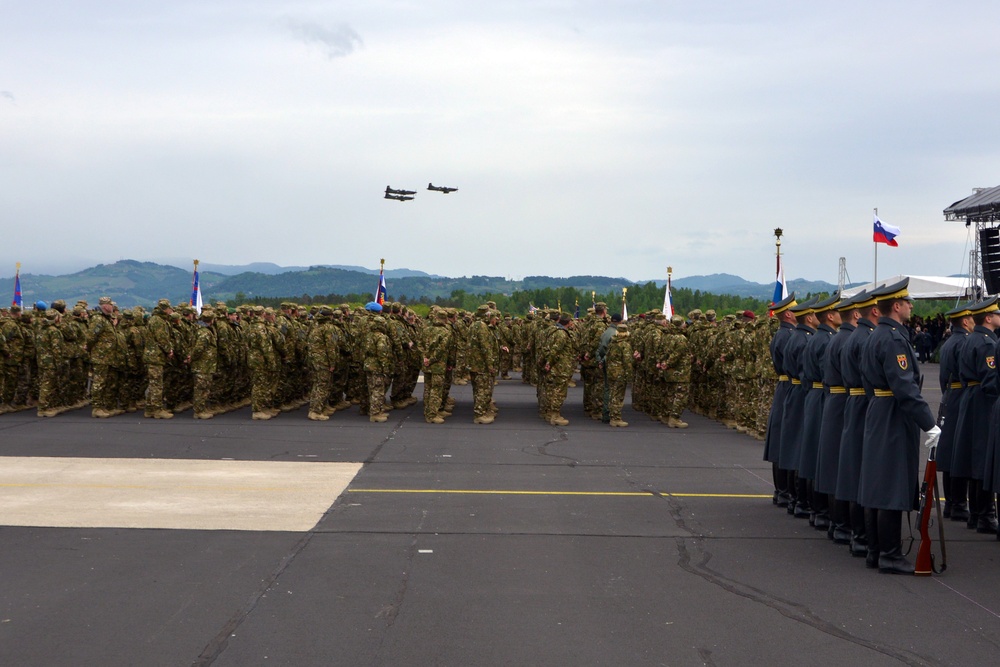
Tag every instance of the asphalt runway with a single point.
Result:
(515, 543)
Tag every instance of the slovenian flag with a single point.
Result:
(885, 233)
(17, 290)
(196, 293)
(380, 297)
(624, 311)
(780, 287)
(668, 308)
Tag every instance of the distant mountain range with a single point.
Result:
(132, 283)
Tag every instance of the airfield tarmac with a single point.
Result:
(132, 541)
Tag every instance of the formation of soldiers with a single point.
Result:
(332, 357)
(847, 415)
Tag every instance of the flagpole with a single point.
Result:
(875, 243)
(624, 312)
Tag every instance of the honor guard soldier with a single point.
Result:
(792, 419)
(814, 359)
(832, 424)
(977, 370)
(897, 413)
(772, 442)
(956, 489)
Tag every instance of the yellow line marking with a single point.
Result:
(500, 492)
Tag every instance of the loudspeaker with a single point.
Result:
(989, 249)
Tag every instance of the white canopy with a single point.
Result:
(924, 287)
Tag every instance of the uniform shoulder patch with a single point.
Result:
(991, 362)
(902, 360)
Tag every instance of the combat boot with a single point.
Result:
(262, 415)
(558, 420)
(679, 424)
(343, 405)
(434, 420)
(319, 416)
(100, 413)
(380, 417)
(51, 412)
(618, 423)
(485, 419)
(163, 414)
(204, 415)
(412, 400)
(329, 410)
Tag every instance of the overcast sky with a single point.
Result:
(606, 138)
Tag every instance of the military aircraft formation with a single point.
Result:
(407, 195)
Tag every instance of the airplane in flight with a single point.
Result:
(392, 191)
(431, 186)
(398, 197)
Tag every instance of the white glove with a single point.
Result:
(933, 435)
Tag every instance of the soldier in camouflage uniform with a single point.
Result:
(11, 357)
(107, 348)
(52, 365)
(159, 352)
(528, 369)
(591, 329)
(26, 393)
(675, 369)
(484, 361)
(379, 360)
(204, 364)
(324, 358)
(338, 386)
(264, 360)
(505, 336)
(559, 356)
(435, 344)
(133, 387)
(616, 362)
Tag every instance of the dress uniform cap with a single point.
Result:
(986, 306)
(896, 290)
(804, 308)
(963, 310)
(784, 304)
(829, 303)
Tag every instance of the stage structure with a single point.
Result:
(981, 209)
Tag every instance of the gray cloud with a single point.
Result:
(9, 95)
(335, 42)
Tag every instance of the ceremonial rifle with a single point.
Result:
(929, 494)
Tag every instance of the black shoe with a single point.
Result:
(821, 522)
(791, 506)
(894, 563)
(802, 511)
(959, 512)
(859, 548)
(782, 499)
(947, 509)
(987, 525)
(972, 522)
(841, 536)
(871, 559)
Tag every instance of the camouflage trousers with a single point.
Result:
(593, 387)
(376, 393)
(8, 383)
(203, 383)
(482, 392)
(319, 395)
(154, 389)
(615, 392)
(49, 379)
(106, 387)
(506, 363)
(433, 394)
(527, 367)
(678, 394)
(557, 386)
(263, 388)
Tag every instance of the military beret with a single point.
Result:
(373, 307)
(748, 315)
(617, 317)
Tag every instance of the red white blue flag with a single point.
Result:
(780, 286)
(17, 290)
(380, 297)
(885, 233)
(196, 291)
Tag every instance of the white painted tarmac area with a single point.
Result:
(169, 493)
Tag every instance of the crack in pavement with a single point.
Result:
(792, 610)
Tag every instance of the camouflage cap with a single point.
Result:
(15, 308)
(258, 310)
(207, 315)
(677, 320)
(128, 314)
(694, 314)
(163, 304)
(622, 327)
(59, 304)
(175, 317)
(104, 300)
